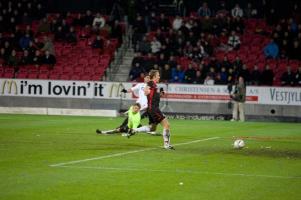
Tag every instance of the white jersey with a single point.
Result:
(138, 90)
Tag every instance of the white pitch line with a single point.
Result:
(124, 153)
(183, 171)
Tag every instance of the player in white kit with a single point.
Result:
(138, 90)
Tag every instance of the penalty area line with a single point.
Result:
(125, 153)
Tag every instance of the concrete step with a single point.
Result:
(120, 77)
(124, 70)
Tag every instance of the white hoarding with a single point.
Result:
(173, 92)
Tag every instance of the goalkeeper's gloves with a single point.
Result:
(124, 91)
(162, 91)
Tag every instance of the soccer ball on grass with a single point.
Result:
(239, 144)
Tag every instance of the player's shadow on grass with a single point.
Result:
(271, 153)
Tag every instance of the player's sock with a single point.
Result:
(109, 131)
(142, 129)
(166, 137)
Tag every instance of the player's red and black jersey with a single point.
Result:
(153, 99)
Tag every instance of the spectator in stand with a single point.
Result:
(139, 29)
(198, 78)
(18, 34)
(98, 22)
(255, 76)
(44, 26)
(288, 77)
(140, 79)
(177, 23)
(245, 73)
(71, 36)
(208, 81)
(250, 11)
(24, 41)
(143, 46)
(26, 59)
(85, 32)
(295, 50)
(29, 31)
(37, 60)
(222, 11)
(135, 71)
(211, 73)
(161, 61)
(98, 43)
(155, 46)
(298, 77)
(49, 59)
(196, 54)
(234, 41)
(79, 20)
(204, 10)
(153, 22)
(267, 76)
(172, 62)
(271, 50)
(39, 12)
(88, 19)
(59, 35)
(237, 11)
(238, 63)
(226, 63)
(31, 49)
(231, 76)
(284, 49)
(223, 76)
(190, 74)
(207, 25)
(149, 62)
(218, 80)
(26, 19)
(65, 26)
(48, 45)
(237, 25)
(163, 22)
(166, 74)
(116, 31)
(3, 56)
(12, 59)
(177, 74)
(137, 58)
(37, 43)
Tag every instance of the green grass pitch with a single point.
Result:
(61, 157)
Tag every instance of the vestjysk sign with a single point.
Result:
(173, 92)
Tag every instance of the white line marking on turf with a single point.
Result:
(183, 171)
(125, 153)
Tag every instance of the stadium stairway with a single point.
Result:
(122, 70)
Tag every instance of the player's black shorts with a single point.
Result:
(123, 129)
(155, 116)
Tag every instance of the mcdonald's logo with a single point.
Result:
(9, 86)
(115, 90)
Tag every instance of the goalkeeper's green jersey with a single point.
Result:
(134, 118)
